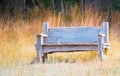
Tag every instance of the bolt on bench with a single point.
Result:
(70, 39)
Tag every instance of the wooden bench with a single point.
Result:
(70, 39)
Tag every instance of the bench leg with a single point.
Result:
(100, 55)
(45, 56)
(39, 55)
(100, 46)
(39, 48)
(100, 50)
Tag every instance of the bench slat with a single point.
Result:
(68, 48)
(60, 44)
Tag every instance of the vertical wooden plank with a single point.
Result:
(105, 26)
(45, 27)
(45, 31)
(39, 48)
(100, 46)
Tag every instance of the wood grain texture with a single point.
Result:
(45, 27)
(73, 35)
(106, 31)
(68, 48)
(39, 47)
(87, 44)
(100, 45)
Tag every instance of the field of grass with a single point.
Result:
(17, 50)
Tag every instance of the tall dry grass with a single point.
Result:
(18, 36)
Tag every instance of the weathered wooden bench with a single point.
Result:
(70, 39)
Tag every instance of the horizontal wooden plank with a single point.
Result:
(72, 35)
(41, 35)
(68, 48)
(64, 44)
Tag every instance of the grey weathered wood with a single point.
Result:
(45, 32)
(41, 38)
(85, 44)
(39, 47)
(40, 42)
(68, 48)
(45, 27)
(106, 38)
(106, 31)
(65, 39)
(73, 35)
(100, 45)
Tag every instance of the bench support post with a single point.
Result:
(105, 31)
(100, 46)
(45, 31)
(45, 27)
(39, 48)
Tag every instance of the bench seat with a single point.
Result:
(69, 47)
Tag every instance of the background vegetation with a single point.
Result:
(25, 7)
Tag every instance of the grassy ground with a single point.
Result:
(17, 39)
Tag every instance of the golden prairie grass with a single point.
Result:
(17, 39)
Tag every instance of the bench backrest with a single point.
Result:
(83, 34)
